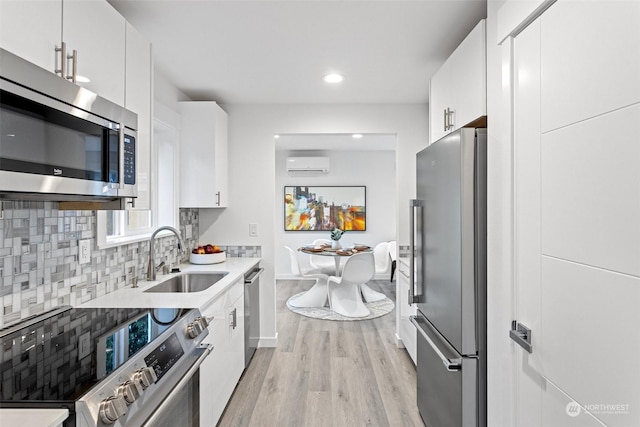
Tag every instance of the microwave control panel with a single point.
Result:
(129, 160)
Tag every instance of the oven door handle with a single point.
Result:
(206, 350)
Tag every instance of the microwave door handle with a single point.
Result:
(414, 205)
(121, 155)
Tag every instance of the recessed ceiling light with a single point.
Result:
(356, 135)
(276, 136)
(333, 78)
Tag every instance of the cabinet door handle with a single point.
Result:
(62, 71)
(448, 122)
(445, 119)
(74, 66)
(218, 198)
(234, 319)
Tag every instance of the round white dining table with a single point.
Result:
(337, 254)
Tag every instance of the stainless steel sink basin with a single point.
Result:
(188, 282)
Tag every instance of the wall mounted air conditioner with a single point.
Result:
(307, 165)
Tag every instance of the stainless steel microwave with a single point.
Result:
(61, 142)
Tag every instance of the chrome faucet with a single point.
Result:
(151, 271)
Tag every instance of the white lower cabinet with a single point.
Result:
(406, 330)
(221, 371)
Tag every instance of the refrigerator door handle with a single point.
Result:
(414, 204)
(451, 364)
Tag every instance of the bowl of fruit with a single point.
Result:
(207, 254)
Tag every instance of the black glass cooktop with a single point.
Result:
(60, 355)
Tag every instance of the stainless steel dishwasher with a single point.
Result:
(251, 312)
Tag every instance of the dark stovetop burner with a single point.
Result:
(59, 355)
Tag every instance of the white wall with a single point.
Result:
(252, 175)
(374, 169)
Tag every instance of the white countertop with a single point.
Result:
(33, 417)
(129, 297)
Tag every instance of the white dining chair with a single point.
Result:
(345, 295)
(383, 260)
(316, 296)
(325, 264)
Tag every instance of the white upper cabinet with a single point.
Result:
(458, 94)
(138, 99)
(31, 30)
(203, 155)
(439, 101)
(95, 30)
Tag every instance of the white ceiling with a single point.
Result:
(257, 52)
(336, 142)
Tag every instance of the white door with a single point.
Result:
(576, 204)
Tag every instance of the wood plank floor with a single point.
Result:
(327, 373)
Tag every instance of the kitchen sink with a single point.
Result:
(188, 282)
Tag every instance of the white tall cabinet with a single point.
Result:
(576, 184)
(457, 92)
(203, 155)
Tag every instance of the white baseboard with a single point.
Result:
(270, 342)
(399, 342)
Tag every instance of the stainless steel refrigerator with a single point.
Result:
(448, 239)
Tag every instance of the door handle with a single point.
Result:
(521, 335)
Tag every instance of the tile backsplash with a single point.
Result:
(39, 266)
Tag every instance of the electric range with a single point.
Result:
(107, 366)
